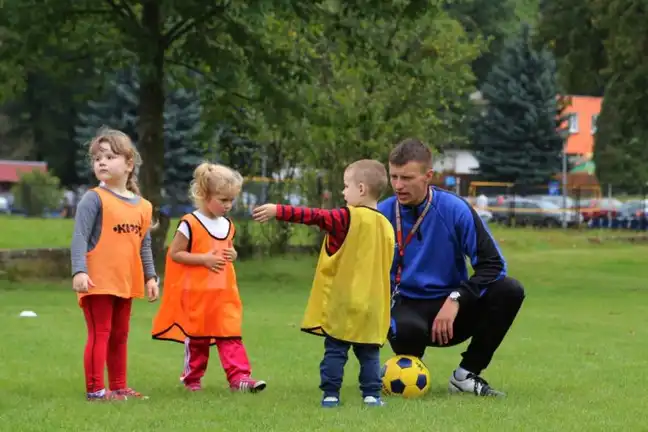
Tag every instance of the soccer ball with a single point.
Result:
(405, 376)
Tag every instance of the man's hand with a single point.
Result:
(443, 323)
(265, 212)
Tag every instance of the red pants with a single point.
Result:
(108, 319)
(232, 356)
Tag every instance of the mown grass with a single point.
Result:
(574, 360)
(22, 233)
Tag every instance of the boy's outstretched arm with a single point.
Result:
(335, 221)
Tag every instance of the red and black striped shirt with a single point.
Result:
(335, 222)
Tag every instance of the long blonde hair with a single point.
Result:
(210, 179)
(121, 145)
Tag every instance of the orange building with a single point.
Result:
(583, 114)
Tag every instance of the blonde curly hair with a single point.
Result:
(210, 179)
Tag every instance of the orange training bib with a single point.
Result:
(115, 263)
(196, 301)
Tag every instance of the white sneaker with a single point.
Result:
(472, 384)
(330, 402)
(373, 401)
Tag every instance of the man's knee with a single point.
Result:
(407, 337)
(510, 289)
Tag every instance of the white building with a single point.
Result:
(455, 161)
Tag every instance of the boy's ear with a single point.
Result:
(362, 188)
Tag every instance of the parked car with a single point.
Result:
(592, 208)
(568, 202)
(530, 212)
(633, 214)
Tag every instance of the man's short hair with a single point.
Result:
(411, 150)
(371, 173)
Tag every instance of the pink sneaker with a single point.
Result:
(248, 384)
(128, 392)
(105, 397)
(193, 387)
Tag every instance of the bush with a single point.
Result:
(36, 192)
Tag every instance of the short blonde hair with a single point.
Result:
(371, 173)
(210, 179)
(121, 145)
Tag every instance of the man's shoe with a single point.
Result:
(473, 384)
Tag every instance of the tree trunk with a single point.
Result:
(151, 122)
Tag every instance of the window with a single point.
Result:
(594, 127)
(573, 123)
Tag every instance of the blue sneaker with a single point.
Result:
(330, 402)
(373, 401)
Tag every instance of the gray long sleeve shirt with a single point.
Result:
(87, 230)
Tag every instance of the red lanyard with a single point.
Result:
(399, 234)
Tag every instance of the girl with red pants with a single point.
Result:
(112, 262)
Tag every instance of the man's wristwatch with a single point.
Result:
(454, 296)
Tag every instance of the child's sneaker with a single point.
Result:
(248, 384)
(330, 402)
(130, 393)
(103, 396)
(373, 401)
(194, 387)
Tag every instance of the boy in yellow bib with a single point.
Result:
(349, 302)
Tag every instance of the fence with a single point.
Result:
(583, 206)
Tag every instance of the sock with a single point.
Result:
(100, 393)
(461, 373)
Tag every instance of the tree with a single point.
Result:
(517, 137)
(570, 29)
(41, 121)
(183, 144)
(36, 192)
(378, 80)
(494, 21)
(228, 39)
(620, 151)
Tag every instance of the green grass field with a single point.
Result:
(57, 233)
(574, 359)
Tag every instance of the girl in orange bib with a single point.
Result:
(112, 262)
(200, 302)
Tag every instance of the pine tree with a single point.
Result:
(517, 136)
(620, 150)
(117, 108)
(182, 138)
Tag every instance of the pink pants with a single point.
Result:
(232, 355)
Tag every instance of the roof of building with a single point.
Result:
(10, 170)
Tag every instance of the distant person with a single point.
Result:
(69, 203)
(482, 202)
(435, 302)
(200, 304)
(112, 262)
(350, 295)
